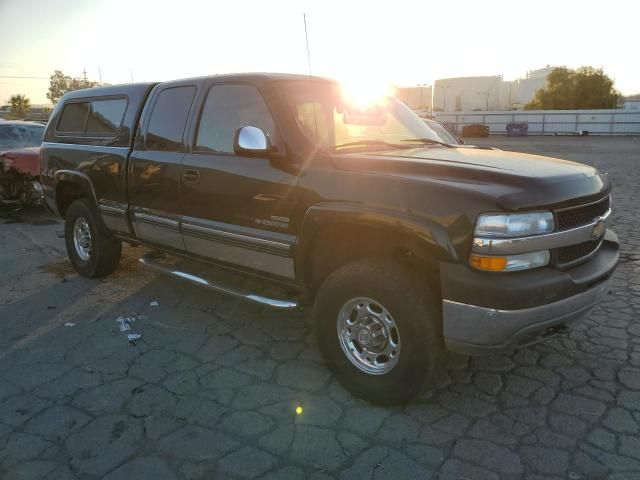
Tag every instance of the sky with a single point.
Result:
(392, 42)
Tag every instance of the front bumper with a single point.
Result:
(518, 309)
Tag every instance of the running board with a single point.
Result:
(155, 262)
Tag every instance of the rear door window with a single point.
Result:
(105, 116)
(74, 117)
(168, 118)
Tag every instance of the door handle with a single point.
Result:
(265, 197)
(191, 176)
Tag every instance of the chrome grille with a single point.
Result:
(582, 214)
(572, 217)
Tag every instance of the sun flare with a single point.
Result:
(366, 91)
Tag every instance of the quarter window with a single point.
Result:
(74, 117)
(168, 118)
(105, 116)
(228, 108)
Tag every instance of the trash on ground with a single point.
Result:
(126, 320)
(133, 338)
(124, 326)
(154, 304)
(69, 324)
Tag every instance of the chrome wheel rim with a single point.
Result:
(368, 335)
(82, 238)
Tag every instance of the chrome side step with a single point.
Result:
(155, 262)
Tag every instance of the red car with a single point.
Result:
(19, 163)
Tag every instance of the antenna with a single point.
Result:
(306, 38)
(315, 118)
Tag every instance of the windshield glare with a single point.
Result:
(325, 117)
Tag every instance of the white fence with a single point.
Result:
(549, 122)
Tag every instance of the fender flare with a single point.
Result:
(79, 178)
(425, 231)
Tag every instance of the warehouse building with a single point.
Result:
(487, 93)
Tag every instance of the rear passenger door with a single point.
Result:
(155, 167)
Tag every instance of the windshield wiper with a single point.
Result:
(428, 141)
(368, 143)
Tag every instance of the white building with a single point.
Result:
(487, 93)
(417, 98)
(467, 93)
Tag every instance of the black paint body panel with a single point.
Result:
(431, 194)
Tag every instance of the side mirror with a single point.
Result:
(251, 141)
(460, 140)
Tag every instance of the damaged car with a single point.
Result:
(19, 163)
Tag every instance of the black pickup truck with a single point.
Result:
(401, 243)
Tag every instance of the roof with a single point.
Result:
(261, 76)
(138, 88)
(122, 89)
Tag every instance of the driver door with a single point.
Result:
(235, 209)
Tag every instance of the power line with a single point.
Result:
(24, 77)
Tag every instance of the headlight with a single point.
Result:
(510, 263)
(514, 224)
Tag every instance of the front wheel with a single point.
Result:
(378, 328)
(92, 249)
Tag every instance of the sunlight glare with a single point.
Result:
(366, 91)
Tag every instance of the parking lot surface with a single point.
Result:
(212, 387)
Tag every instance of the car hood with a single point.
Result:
(514, 180)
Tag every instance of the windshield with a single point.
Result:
(20, 136)
(442, 132)
(329, 120)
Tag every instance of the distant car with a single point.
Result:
(475, 130)
(19, 163)
(446, 135)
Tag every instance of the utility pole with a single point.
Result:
(131, 73)
(100, 76)
(84, 76)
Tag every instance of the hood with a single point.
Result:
(514, 180)
(24, 160)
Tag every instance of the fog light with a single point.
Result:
(510, 263)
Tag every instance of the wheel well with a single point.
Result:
(337, 245)
(66, 193)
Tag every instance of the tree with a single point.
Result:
(20, 105)
(61, 84)
(567, 89)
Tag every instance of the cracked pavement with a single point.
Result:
(211, 389)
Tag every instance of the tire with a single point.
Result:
(104, 250)
(415, 311)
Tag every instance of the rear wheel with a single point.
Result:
(92, 249)
(378, 327)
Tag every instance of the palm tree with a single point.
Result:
(20, 105)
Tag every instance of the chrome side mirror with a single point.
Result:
(250, 140)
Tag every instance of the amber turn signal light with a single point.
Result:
(494, 264)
